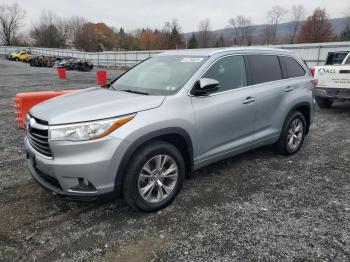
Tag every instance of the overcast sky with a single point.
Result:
(132, 14)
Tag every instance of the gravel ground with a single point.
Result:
(258, 206)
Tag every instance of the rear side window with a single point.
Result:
(264, 68)
(334, 58)
(291, 68)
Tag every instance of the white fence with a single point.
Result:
(313, 54)
(316, 53)
(100, 59)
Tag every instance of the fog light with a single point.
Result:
(83, 182)
(83, 185)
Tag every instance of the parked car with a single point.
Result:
(84, 65)
(75, 64)
(67, 63)
(43, 61)
(20, 56)
(143, 133)
(333, 79)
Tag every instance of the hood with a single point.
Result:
(93, 104)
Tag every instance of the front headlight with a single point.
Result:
(87, 130)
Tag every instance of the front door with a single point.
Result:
(225, 118)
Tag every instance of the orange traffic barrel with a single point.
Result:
(101, 76)
(61, 73)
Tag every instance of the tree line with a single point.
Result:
(53, 31)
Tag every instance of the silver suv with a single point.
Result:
(143, 133)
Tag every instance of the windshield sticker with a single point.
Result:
(171, 88)
(191, 60)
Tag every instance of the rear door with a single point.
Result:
(270, 89)
(295, 75)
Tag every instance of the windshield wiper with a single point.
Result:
(134, 91)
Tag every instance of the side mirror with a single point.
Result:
(205, 86)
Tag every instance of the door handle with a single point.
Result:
(288, 89)
(249, 100)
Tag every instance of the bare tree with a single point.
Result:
(204, 35)
(347, 12)
(50, 31)
(241, 28)
(75, 24)
(10, 21)
(274, 18)
(87, 38)
(298, 14)
(171, 35)
(347, 15)
(345, 34)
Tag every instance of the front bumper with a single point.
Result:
(95, 161)
(332, 93)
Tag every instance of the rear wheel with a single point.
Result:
(154, 176)
(292, 135)
(323, 102)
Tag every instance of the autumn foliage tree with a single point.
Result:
(316, 28)
(105, 36)
(167, 38)
(86, 38)
(95, 37)
(147, 39)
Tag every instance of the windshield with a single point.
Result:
(160, 75)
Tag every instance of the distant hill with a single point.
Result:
(338, 25)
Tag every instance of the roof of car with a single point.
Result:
(214, 51)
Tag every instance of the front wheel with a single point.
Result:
(323, 102)
(154, 176)
(292, 135)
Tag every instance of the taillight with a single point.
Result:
(312, 71)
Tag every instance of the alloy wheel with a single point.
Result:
(158, 178)
(295, 134)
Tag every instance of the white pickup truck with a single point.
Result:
(333, 79)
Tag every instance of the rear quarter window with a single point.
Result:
(264, 68)
(291, 68)
(347, 62)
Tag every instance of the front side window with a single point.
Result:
(160, 75)
(291, 67)
(264, 68)
(229, 71)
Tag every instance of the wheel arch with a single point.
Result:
(173, 135)
(304, 108)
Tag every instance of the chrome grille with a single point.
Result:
(38, 135)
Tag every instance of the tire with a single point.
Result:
(323, 102)
(284, 145)
(16, 59)
(145, 159)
